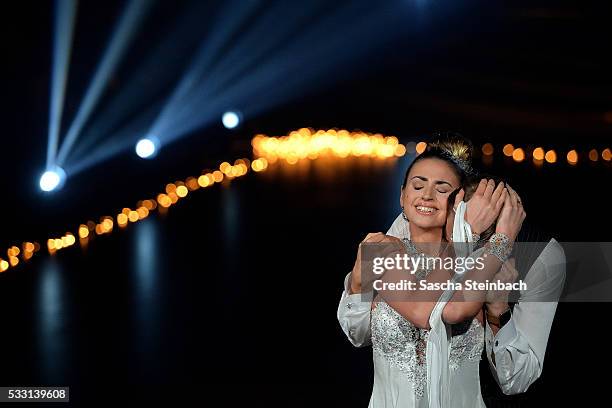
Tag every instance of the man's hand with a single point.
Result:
(376, 237)
(512, 215)
(484, 206)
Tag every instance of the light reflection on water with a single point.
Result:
(146, 291)
(51, 341)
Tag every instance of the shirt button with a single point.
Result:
(352, 332)
(349, 305)
(496, 343)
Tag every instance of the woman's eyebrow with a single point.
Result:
(436, 182)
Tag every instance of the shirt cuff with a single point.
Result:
(354, 301)
(506, 335)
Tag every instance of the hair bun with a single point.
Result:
(456, 146)
(454, 143)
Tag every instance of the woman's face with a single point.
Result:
(425, 197)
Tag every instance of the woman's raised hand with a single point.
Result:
(484, 206)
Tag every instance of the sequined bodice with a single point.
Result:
(403, 345)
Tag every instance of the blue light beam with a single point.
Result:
(63, 29)
(123, 34)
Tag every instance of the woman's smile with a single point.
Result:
(426, 210)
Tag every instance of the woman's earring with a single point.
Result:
(404, 215)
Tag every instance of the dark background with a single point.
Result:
(232, 295)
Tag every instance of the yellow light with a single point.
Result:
(182, 191)
(99, 229)
(508, 150)
(51, 244)
(13, 251)
(3, 265)
(551, 156)
(70, 239)
(217, 176)
(487, 149)
(28, 247)
(164, 201)
(204, 181)
(13, 260)
(225, 167)
(84, 231)
(538, 153)
(392, 141)
(173, 197)
(27, 255)
(149, 204)
(133, 216)
(170, 188)
(518, 155)
(122, 220)
(107, 224)
(606, 155)
(593, 155)
(192, 184)
(59, 244)
(400, 150)
(65, 242)
(420, 147)
(244, 161)
(125, 211)
(263, 162)
(142, 212)
(572, 157)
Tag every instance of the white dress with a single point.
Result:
(400, 362)
(406, 358)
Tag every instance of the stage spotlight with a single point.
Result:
(147, 148)
(52, 179)
(231, 119)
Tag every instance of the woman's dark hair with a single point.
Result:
(452, 148)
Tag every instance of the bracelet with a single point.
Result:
(499, 246)
(475, 237)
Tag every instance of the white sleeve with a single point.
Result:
(354, 316)
(516, 364)
(520, 345)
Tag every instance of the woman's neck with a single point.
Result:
(418, 234)
(426, 236)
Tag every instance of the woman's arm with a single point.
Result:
(416, 304)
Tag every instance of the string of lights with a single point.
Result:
(304, 143)
(541, 156)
